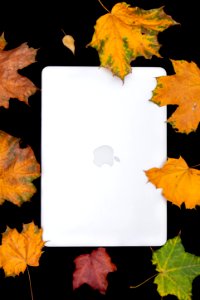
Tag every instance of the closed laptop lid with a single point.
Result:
(98, 136)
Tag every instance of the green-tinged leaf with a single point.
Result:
(177, 269)
(128, 32)
(18, 168)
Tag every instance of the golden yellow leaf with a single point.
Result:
(128, 32)
(18, 168)
(180, 184)
(68, 41)
(182, 89)
(21, 249)
(12, 84)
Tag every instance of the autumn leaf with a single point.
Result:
(180, 183)
(12, 84)
(68, 41)
(128, 32)
(177, 269)
(182, 89)
(93, 269)
(18, 168)
(18, 250)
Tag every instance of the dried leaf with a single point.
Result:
(182, 89)
(177, 269)
(93, 269)
(21, 249)
(18, 168)
(12, 84)
(180, 183)
(126, 33)
(68, 41)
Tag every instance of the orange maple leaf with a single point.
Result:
(128, 32)
(93, 269)
(12, 84)
(181, 89)
(180, 184)
(18, 167)
(18, 250)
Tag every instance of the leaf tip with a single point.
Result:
(3, 42)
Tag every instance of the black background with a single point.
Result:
(39, 24)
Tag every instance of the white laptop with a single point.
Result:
(98, 136)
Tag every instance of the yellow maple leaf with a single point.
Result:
(182, 89)
(18, 167)
(180, 184)
(126, 33)
(18, 250)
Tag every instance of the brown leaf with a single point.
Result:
(18, 167)
(12, 84)
(93, 269)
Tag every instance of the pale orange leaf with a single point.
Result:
(68, 41)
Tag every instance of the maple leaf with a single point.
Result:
(177, 269)
(18, 167)
(180, 183)
(93, 269)
(18, 250)
(182, 89)
(12, 84)
(128, 32)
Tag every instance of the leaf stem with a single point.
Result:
(136, 286)
(103, 6)
(195, 166)
(63, 31)
(29, 278)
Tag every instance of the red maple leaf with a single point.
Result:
(93, 269)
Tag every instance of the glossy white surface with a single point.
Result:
(84, 108)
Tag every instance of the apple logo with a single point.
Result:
(104, 155)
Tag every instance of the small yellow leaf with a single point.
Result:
(21, 249)
(68, 41)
